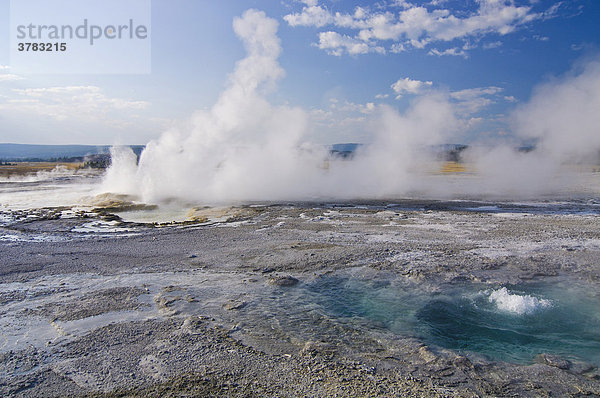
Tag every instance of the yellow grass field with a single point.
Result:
(456, 167)
(453, 167)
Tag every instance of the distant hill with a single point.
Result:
(99, 154)
(344, 151)
(26, 152)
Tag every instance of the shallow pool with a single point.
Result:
(508, 323)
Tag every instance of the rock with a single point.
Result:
(234, 305)
(312, 348)
(462, 362)
(190, 299)
(285, 281)
(584, 368)
(553, 360)
(110, 217)
(426, 354)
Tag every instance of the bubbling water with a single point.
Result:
(517, 304)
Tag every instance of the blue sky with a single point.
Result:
(341, 60)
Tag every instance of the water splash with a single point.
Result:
(517, 304)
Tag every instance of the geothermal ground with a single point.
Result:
(278, 300)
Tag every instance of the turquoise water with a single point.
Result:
(508, 323)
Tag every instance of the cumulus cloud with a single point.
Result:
(336, 44)
(397, 48)
(311, 15)
(409, 86)
(409, 25)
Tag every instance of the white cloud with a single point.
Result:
(312, 15)
(343, 121)
(397, 48)
(402, 3)
(409, 86)
(75, 114)
(335, 44)
(347, 106)
(418, 26)
(450, 51)
(82, 103)
(552, 11)
(474, 121)
(494, 44)
(472, 93)
(472, 100)
(578, 47)
(8, 77)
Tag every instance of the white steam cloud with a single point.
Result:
(241, 148)
(563, 122)
(245, 149)
(564, 116)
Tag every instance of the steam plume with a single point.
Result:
(244, 148)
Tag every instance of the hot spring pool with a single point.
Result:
(507, 323)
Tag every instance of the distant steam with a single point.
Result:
(563, 121)
(245, 148)
(563, 116)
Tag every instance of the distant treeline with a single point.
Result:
(93, 156)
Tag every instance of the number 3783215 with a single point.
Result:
(42, 47)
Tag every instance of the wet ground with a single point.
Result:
(302, 299)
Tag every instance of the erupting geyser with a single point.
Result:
(244, 148)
